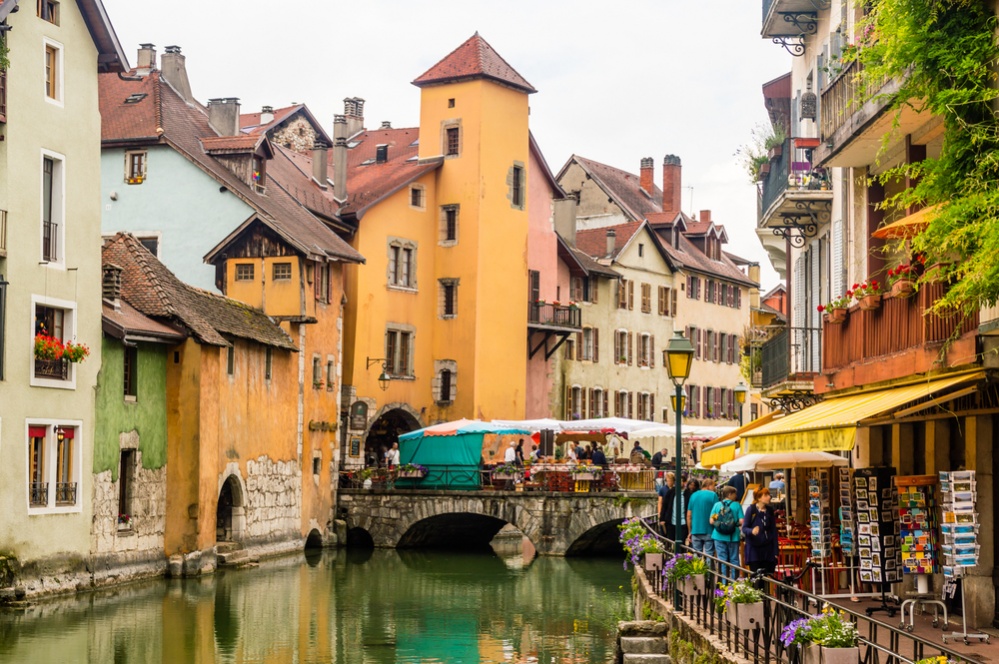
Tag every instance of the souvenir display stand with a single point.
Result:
(877, 538)
(960, 547)
(920, 550)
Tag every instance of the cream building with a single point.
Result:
(50, 240)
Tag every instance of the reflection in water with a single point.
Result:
(379, 607)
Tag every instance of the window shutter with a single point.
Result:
(723, 348)
(567, 404)
(799, 316)
(662, 301)
(606, 410)
(672, 311)
(590, 399)
(652, 351)
(698, 346)
(596, 344)
(631, 338)
(594, 288)
(631, 404)
(631, 295)
(652, 407)
(617, 347)
(579, 345)
(582, 403)
(838, 285)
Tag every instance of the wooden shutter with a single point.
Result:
(672, 310)
(631, 295)
(594, 289)
(606, 411)
(698, 346)
(662, 303)
(718, 355)
(652, 351)
(579, 345)
(631, 404)
(596, 344)
(631, 338)
(723, 348)
(567, 404)
(617, 347)
(590, 401)
(652, 407)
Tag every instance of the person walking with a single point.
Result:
(666, 503)
(392, 457)
(518, 458)
(699, 508)
(760, 529)
(726, 519)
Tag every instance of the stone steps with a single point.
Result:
(232, 554)
(635, 658)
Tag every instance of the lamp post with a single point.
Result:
(383, 377)
(740, 398)
(678, 356)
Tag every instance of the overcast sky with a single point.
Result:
(616, 80)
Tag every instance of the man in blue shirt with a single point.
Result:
(699, 511)
(727, 543)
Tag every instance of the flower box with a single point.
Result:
(836, 316)
(816, 654)
(653, 561)
(903, 288)
(746, 616)
(412, 474)
(870, 302)
(585, 476)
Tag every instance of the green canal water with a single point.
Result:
(341, 606)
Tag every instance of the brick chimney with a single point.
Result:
(646, 171)
(223, 115)
(611, 241)
(340, 129)
(320, 165)
(672, 189)
(147, 59)
(173, 68)
(705, 215)
(111, 285)
(353, 110)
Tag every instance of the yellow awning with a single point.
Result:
(831, 425)
(909, 226)
(722, 449)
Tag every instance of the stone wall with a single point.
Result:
(296, 134)
(273, 500)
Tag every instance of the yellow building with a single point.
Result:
(441, 216)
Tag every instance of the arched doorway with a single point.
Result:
(386, 430)
(229, 515)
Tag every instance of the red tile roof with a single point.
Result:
(250, 122)
(474, 59)
(230, 144)
(593, 241)
(129, 121)
(623, 186)
(126, 321)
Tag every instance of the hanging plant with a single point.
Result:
(4, 51)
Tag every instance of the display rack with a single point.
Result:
(846, 513)
(820, 517)
(960, 548)
(878, 533)
(920, 550)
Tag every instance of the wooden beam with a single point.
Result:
(936, 402)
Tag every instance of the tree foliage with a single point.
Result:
(944, 55)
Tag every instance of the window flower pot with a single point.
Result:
(870, 302)
(747, 616)
(836, 316)
(700, 583)
(903, 288)
(775, 151)
(411, 474)
(838, 655)
(811, 654)
(653, 561)
(585, 476)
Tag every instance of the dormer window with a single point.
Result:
(259, 174)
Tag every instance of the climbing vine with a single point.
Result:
(4, 51)
(944, 55)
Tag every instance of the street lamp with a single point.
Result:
(740, 397)
(383, 377)
(678, 357)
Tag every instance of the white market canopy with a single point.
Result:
(633, 428)
(782, 460)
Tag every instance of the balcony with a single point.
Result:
(796, 198)
(53, 369)
(50, 239)
(552, 324)
(65, 493)
(784, 19)
(39, 494)
(896, 340)
(789, 361)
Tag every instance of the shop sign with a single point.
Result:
(818, 440)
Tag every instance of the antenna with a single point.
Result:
(691, 199)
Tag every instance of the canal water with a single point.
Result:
(341, 606)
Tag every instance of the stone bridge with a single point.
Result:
(558, 524)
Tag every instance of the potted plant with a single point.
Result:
(829, 637)
(742, 603)
(584, 472)
(124, 522)
(689, 569)
(835, 311)
(412, 471)
(902, 280)
(638, 541)
(868, 294)
(48, 348)
(72, 352)
(506, 471)
(774, 143)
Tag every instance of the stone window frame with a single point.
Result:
(402, 244)
(443, 240)
(440, 366)
(419, 191)
(392, 362)
(331, 373)
(442, 287)
(133, 176)
(517, 175)
(318, 382)
(451, 123)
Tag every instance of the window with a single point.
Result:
(641, 250)
(646, 298)
(244, 271)
(399, 352)
(53, 466)
(445, 386)
(131, 360)
(402, 265)
(646, 351)
(230, 360)
(448, 298)
(621, 404)
(135, 167)
(589, 344)
(317, 463)
(709, 349)
(517, 187)
(258, 175)
(126, 479)
(52, 208)
(48, 10)
(622, 294)
(317, 372)
(449, 223)
(694, 335)
(330, 375)
(710, 398)
(54, 326)
(268, 363)
(709, 290)
(281, 272)
(576, 403)
(452, 141)
(622, 347)
(590, 285)
(646, 407)
(693, 401)
(53, 72)
(667, 301)
(416, 196)
(693, 288)
(570, 349)
(450, 102)
(598, 402)
(151, 243)
(323, 283)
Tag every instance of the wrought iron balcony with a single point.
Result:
(787, 22)
(848, 109)
(895, 340)
(555, 316)
(38, 494)
(796, 198)
(65, 493)
(50, 240)
(55, 369)
(790, 358)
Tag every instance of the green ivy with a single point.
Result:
(944, 55)
(4, 52)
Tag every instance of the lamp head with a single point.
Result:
(383, 380)
(678, 357)
(740, 392)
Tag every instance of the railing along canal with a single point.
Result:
(880, 643)
(584, 479)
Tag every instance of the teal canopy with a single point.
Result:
(452, 462)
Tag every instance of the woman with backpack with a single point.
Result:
(760, 529)
(726, 519)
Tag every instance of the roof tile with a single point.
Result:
(474, 59)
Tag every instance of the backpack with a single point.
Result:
(725, 524)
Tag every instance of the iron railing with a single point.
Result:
(554, 315)
(38, 494)
(791, 352)
(844, 96)
(55, 369)
(65, 493)
(791, 171)
(462, 478)
(880, 643)
(50, 240)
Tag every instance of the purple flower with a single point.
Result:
(790, 632)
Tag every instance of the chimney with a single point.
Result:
(223, 115)
(386, 124)
(672, 190)
(611, 241)
(353, 110)
(147, 59)
(266, 115)
(320, 166)
(340, 128)
(173, 68)
(111, 285)
(705, 215)
(381, 153)
(646, 180)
